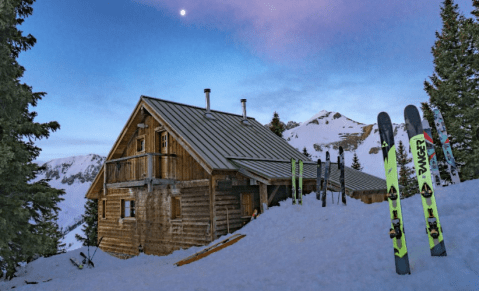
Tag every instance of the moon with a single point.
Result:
(183, 12)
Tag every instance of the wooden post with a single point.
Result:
(104, 179)
(263, 196)
(150, 172)
(212, 207)
(272, 195)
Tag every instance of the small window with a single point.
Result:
(175, 207)
(127, 208)
(164, 140)
(103, 215)
(140, 144)
(246, 204)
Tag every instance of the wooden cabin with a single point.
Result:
(181, 176)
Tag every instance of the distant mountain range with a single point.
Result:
(75, 175)
(326, 131)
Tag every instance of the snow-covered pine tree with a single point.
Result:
(47, 224)
(27, 210)
(276, 126)
(90, 230)
(407, 176)
(356, 165)
(305, 152)
(454, 85)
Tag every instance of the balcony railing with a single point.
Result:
(135, 171)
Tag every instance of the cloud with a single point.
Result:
(57, 141)
(288, 31)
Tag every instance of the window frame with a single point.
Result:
(131, 208)
(175, 208)
(103, 214)
(141, 140)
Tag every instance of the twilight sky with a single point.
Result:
(94, 58)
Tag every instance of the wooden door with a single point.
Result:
(246, 204)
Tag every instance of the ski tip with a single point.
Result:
(410, 107)
(383, 114)
(383, 118)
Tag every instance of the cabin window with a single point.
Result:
(164, 142)
(246, 204)
(140, 144)
(103, 215)
(127, 208)
(175, 207)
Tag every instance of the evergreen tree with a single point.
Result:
(27, 210)
(471, 167)
(454, 84)
(91, 223)
(305, 152)
(276, 125)
(407, 177)
(356, 165)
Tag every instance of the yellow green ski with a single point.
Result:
(396, 232)
(423, 173)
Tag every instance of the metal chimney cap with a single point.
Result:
(242, 100)
(207, 90)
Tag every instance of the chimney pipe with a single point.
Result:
(245, 119)
(208, 113)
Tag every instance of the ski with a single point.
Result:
(418, 149)
(326, 177)
(293, 180)
(396, 231)
(318, 180)
(76, 263)
(86, 260)
(446, 147)
(341, 176)
(431, 153)
(300, 182)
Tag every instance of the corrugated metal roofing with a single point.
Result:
(214, 140)
(225, 143)
(354, 180)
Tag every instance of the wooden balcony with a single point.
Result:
(136, 171)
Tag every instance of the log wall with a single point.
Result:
(153, 227)
(228, 190)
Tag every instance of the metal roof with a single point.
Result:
(354, 180)
(214, 140)
(226, 144)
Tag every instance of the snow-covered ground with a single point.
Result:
(297, 248)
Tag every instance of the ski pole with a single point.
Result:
(99, 242)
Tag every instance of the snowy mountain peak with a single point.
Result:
(81, 168)
(74, 175)
(326, 117)
(327, 130)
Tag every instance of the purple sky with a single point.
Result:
(95, 58)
